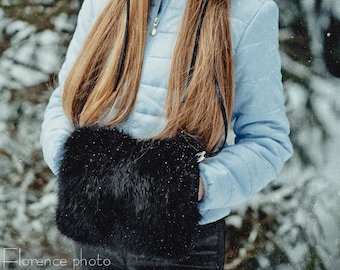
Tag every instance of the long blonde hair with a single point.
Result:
(88, 90)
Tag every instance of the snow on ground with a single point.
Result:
(27, 188)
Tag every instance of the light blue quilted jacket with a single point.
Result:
(261, 127)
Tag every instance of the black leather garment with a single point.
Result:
(207, 253)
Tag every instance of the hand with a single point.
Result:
(200, 190)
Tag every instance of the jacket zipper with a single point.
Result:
(153, 31)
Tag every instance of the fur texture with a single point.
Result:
(122, 192)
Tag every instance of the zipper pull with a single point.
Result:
(153, 31)
(200, 156)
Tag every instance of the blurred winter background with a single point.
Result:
(292, 224)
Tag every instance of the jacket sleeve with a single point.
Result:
(262, 143)
(56, 127)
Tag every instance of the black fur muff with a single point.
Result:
(120, 192)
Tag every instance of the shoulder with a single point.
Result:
(248, 12)
(245, 10)
(92, 8)
(98, 6)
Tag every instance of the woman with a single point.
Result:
(140, 71)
